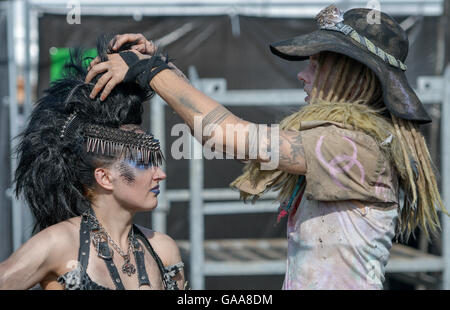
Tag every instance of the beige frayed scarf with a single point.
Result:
(354, 116)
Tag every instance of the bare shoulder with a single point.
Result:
(61, 241)
(50, 250)
(63, 232)
(166, 248)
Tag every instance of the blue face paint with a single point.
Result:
(138, 165)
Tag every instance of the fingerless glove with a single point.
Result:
(143, 71)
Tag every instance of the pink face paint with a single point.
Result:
(335, 170)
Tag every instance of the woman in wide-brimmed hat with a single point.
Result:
(342, 160)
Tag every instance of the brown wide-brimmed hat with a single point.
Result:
(377, 41)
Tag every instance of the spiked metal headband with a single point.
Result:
(140, 147)
(331, 18)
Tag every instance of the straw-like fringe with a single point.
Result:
(357, 116)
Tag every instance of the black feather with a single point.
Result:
(53, 172)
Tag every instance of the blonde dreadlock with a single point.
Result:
(347, 80)
(356, 83)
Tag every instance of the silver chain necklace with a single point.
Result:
(127, 267)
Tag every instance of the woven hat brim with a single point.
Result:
(398, 95)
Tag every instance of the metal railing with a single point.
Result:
(439, 92)
(258, 8)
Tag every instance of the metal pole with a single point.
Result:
(31, 20)
(196, 220)
(25, 216)
(27, 68)
(273, 9)
(157, 121)
(445, 158)
(16, 206)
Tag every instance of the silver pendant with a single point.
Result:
(128, 268)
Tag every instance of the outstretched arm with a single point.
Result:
(209, 119)
(190, 104)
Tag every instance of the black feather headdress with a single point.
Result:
(69, 133)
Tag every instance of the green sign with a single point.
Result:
(58, 58)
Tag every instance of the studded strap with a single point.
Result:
(103, 249)
(83, 251)
(140, 265)
(169, 283)
(112, 270)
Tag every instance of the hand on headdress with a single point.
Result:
(128, 66)
(137, 42)
(114, 71)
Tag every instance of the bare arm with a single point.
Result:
(190, 104)
(208, 119)
(31, 264)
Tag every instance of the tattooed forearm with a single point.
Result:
(292, 152)
(178, 72)
(215, 118)
(188, 104)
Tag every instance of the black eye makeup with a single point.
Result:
(126, 172)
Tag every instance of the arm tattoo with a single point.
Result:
(187, 103)
(178, 72)
(215, 117)
(296, 151)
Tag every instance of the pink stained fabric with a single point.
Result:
(340, 235)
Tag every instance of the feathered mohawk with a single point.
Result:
(55, 167)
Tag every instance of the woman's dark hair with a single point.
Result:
(54, 173)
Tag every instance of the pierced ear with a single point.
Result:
(104, 178)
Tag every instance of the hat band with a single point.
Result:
(349, 31)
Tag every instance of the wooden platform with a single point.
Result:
(268, 256)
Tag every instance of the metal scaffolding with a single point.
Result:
(257, 8)
(16, 206)
(430, 90)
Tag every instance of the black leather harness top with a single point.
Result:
(78, 279)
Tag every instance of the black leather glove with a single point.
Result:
(143, 71)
